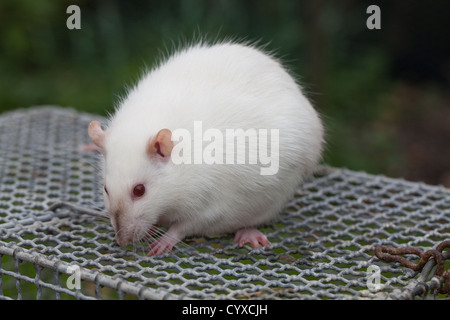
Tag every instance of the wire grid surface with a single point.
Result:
(321, 246)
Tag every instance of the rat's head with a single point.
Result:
(131, 171)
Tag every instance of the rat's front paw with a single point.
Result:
(163, 244)
(251, 235)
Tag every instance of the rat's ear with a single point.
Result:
(161, 145)
(97, 135)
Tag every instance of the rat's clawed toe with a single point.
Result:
(162, 245)
(251, 235)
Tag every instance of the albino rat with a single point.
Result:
(157, 173)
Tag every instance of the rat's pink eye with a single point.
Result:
(139, 190)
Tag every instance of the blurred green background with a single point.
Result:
(383, 94)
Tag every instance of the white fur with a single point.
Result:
(224, 85)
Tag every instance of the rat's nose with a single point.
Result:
(123, 239)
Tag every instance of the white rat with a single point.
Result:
(221, 86)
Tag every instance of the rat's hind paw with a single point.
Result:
(251, 235)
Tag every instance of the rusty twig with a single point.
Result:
(390, 254)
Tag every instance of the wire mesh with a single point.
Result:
(322, 245)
